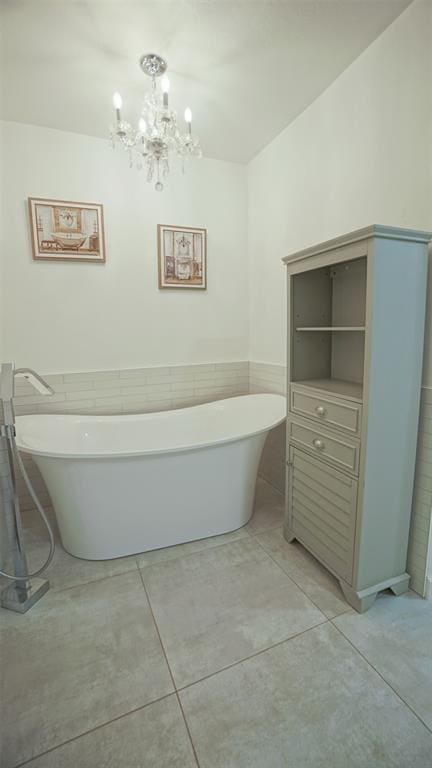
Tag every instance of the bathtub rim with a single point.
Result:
(189, 447)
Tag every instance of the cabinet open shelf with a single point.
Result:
(350, 390)
(328, 325)
(332, 328)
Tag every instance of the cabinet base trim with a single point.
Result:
(361, 600)
(288, 534)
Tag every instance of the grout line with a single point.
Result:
(96, 728)
(176, 690)
(139, 568)
(169, 667)
(125, 714)
(83, 583)
(291, 579)
(94, 581)
(348, 607)
(274, 487)
(252, 655)
(198, 551)
(369, 663)
(157, 630)
(187, 729)
(223, 669)
(276, 527)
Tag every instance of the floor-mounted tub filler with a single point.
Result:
(127, 484)
(25, 587)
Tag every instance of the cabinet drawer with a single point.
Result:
(339, 451)
(333, 411)
(322, 504)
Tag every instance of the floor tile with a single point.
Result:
(395, 635)
(269, 508)
(189, 548)
(153, 737)
(315, 580)
(311, 702)
(64, 570)
(219, 606)
(78, 659)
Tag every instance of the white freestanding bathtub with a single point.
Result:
(126, 484)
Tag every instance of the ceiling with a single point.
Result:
(246, 68)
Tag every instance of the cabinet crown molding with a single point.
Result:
(359, 235)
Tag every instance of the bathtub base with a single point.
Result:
(110, 508)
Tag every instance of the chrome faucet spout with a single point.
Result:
(35, 380)
(7, 379)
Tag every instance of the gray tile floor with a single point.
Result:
(224, 653)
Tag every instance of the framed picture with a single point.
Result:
(182, 257)
(65, 230)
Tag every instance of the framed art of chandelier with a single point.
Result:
(158, 136)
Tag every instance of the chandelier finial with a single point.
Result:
(152, 64)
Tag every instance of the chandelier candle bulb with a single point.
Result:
(188, 118)
(117, 102)
(165, 89)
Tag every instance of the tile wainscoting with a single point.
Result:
(159, 388)
(264, 377)
(421, 520)
(136, 390)
(3, 459)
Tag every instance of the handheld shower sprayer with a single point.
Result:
(23, 593)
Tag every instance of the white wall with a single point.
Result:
(2, 290)
(61, 317)
(360, 154)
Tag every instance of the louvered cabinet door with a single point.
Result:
(322, 506)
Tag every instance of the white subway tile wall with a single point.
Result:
(264, 377)
(420, 536)
(134, 391)
(162, 388)
(3, 480)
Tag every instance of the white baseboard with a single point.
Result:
(428, 588)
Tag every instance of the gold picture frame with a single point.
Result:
(182, 257)
(65, 230)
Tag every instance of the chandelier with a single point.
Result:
(158, 135)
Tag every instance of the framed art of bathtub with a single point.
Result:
(182, 257)
(65, 230)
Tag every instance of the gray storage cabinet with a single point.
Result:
(356, 313)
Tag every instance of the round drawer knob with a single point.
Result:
(320, 410)
(318, 444)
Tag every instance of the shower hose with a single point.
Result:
(14, 453)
